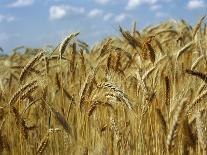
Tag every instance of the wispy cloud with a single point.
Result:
(102, 2)
(121, 17)
(74, 9)
(196, 4)
(161, 14)
(21, 3)
(95, 13)
(6, 18)
(59, 11)
(107, 16)
(155, 7)
(132, 4)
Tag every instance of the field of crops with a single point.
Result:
(142, 93)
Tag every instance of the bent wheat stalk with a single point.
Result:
(65, 42)
(29, 65)
(20, 92)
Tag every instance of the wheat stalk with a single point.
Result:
(65, 42)
(198, 99)
(162, 120)
(201, 130)
(19, 92)
(29, 65)
(119, 93)
(195, 64)
(198, 25)
(43, 144)
(197, 74)
(172, 134)
(184, 49)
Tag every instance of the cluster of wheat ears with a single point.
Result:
(143, 93)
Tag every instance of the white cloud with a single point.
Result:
(120, 18)
(6, 18)
(107, 16)
(95, 13)
(151, 1)
(132, 4)
(60, 11)
(161, 14)
(155, 7)
(74, 9)
(78, 10)
(102, 2)
(57, 12)
(196, 4)
(21, 3)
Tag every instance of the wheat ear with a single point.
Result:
(29, 65)
(175, 122)
(65, 42)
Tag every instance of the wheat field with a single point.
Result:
(141, 93)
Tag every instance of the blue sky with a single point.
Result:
(37, 23)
